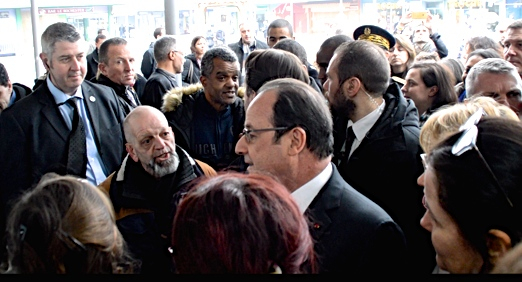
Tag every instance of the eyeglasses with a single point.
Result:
(424, 202)
(179, 52)
(468, 141)
(246, 132)
(423, 158)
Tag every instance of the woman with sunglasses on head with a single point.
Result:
(473, 189)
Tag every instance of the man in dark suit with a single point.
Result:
(246, 44)
(10, 92)
(288, 134)
(116, 70)
(36, 129)
(92, 58)
(376, 140)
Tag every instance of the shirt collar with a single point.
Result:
(362, 126)
(13, 98)
(59, 96)
(305, 194)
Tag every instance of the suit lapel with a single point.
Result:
(51, 112)
(326, 200)
(90, 100)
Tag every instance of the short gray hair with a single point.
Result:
(490, 65)
(58, 32)
(163, 46)
(103, 53)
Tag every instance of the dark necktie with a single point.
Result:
(130, 96)
(77, 155)
(350, 137)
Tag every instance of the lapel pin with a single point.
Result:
(317, 226)
(92, 99)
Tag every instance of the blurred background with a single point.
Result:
(23, 21)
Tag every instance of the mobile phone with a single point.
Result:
(419, 15)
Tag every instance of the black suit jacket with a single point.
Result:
(352, 233)
(92, 65)
(34, 137)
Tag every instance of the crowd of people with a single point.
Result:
(384, 154)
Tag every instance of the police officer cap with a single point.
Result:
(375, 34)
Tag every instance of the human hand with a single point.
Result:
(428, 23)
(406, 19)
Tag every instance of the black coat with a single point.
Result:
(148, 63)
(352, 233)
(237, 47)
(21, 91)
(152, 204)
(92, 64)
(120, 91)
(156, 86)
(35, 137)
(385, 168)
(190, 59)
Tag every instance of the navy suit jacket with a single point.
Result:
(352, 233)
(34, 137)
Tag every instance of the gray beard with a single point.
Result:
(169, 166)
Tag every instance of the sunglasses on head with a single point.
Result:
(468, 141)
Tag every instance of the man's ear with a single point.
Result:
(102, 68)
(351, 86)
(45, 61)
(203, 79)
(498, 244)
(172, 55)
(132, 153)
(298, 141)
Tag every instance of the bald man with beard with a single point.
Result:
(147, 187)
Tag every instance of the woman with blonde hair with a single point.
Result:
(447, 119)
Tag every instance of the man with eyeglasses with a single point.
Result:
(288, 135)
(207, 118)
(498, 79)
(376, 141)
(170, 62)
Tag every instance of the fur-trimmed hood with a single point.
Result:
(173, 98)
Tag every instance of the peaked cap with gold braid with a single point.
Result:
(375, 34)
